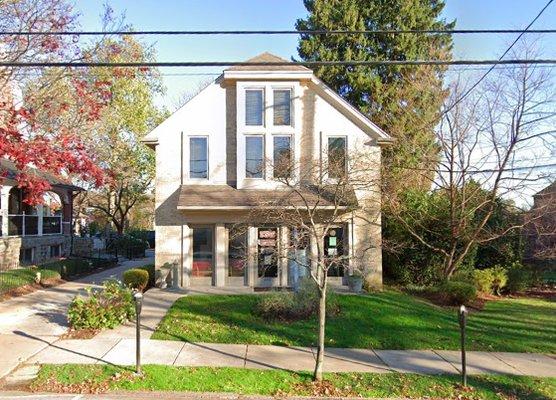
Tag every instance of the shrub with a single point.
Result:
(105, 308)
(47, 274)
(152, 274)
(483, 280)
(520, 278)
(457, 293)
(290, 306)
(500, 278)
(136, 278)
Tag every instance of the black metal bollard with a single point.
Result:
(138, 299)
(462, 314)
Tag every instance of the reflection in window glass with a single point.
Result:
(267, 250)
(202, 252)
(282, 107)
(198, 158)
(254, 151)
(254, 107)
(282, 156)
(237, 251)
(336, 157)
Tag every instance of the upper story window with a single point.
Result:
(254, 107)
(254, 156)
(282, 107)
(282, 157)
(337, 156)
(198, 158)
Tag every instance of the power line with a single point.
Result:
(276, 32)
(270, 64)
(499, 59)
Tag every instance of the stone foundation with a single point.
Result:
(82, 246)
(10, 248)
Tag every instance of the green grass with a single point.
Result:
(387, 320)
(78, 378)
(14, 278)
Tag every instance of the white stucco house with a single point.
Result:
(210, 169)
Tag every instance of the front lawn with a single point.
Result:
(97, 378)
(387, 320)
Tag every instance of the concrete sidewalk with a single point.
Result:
(30, 322)
(122, 352)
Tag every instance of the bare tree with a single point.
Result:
(314, 199)
(488, 143)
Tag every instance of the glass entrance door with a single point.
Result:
(203, 252)
(334, 251)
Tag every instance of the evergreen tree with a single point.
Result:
(403, 100)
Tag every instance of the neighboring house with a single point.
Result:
(32, 235)
(206, 183)
(541, 231)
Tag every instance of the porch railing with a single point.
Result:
(28, 225)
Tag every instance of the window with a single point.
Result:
(27, 256)
(282, 107)
(237, 251)
(198, 158)
(203, 253)
(55, 251)
(254, 150)
(267, 250)
(336, 157)
(254, 107)
(282, 157)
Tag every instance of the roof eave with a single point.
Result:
(266, 74)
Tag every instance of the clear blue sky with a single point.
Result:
(282, 14)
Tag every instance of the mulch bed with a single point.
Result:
(80, 334)
(26, 289)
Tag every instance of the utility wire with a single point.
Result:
(277, 32)
(464, 95)
(81, 64)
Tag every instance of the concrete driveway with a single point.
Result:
(29, 323)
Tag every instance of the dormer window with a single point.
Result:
(282, 107)
(254, 107)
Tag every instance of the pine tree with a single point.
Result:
(403, 100)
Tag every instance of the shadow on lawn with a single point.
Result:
(388, 320)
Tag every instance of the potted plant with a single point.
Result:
(355, 282)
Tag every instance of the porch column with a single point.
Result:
(4, 204)
(221, 256)
(251, 256)
(40, 215)
(186, 255)
(283, 233)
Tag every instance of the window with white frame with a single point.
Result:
(282, 157)
(254, 107)
(282, 107)
(198, 157)
(337, 156)
(254, 156)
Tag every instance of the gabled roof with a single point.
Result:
(267, 57)
(294, 72)
(550, 189)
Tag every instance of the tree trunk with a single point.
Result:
(317, 376)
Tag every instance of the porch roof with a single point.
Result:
(226, 197)
(10, 170)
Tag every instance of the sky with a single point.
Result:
(281, 15)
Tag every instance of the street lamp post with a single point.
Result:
(138, 299)
(462, 314)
